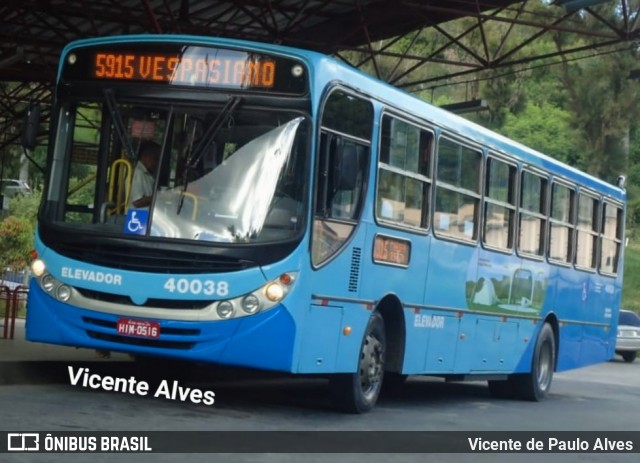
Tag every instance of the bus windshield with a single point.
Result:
(230, 174)
(248, 197)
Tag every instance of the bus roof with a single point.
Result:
(326, 69)
(457, 125)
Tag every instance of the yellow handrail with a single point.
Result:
(120, 176)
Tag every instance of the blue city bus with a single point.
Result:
(307, 218)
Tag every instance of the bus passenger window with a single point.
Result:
(533, 214)
(457, 191)
(561, 228)
(499, 210)
(610, 238)
(404, 181)
(587, 232)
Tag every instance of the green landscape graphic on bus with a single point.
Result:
(520, 290)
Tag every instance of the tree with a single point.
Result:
(26, 206)
(18, 229)
(633, 180)
(16, 240)
(546, 128)
(602, 98)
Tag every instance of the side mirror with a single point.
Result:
(31, 127)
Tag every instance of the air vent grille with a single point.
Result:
(354, 274)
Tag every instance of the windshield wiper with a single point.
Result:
(207, 138)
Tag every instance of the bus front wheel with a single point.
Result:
(358, 392)
(535, 385)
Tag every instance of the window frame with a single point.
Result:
(514, 193)
(572, 188)
(427, 209)
(595, 233)
(544, 215)
(477, 196)
(318, 181)
(620, 221)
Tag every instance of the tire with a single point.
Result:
(535, 385)
(629, 356)
(358, 392)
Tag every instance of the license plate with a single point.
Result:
(138, 328)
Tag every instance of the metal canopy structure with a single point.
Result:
(34, 31)
(361, 32)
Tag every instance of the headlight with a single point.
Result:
(260, 300)
(250, 304)
(55, 288)
(63, 293)
(274, 291)
(225, 309)
(48, 282)
(38, 267)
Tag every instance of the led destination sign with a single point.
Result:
(200, 67)
(186, 70)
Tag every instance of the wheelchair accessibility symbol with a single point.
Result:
(136, 223)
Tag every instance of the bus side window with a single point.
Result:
(499, 204)
(404, 177)
(533, 215)
(457, 191)
(561, 223)
(587, 232)
(611, 238)
(343, 156)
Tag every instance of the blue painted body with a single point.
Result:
(241, 342)
(445, 334)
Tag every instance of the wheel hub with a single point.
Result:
(371, 365)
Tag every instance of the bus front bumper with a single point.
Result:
(264, 340)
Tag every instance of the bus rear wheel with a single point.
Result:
(358, 392)
(535, 385)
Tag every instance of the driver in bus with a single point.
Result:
(143, 175)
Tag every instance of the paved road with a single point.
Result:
(601, 398)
